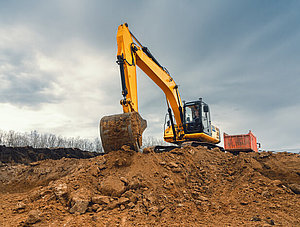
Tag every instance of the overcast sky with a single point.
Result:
(58, 72)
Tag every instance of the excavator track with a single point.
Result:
(122, 129)
(160, 149)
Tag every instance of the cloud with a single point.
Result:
(68, 90)
(23, 82)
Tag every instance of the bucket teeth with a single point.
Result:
(122, 129)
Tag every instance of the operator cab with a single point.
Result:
(196, 117)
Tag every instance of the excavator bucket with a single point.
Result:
(122, 129)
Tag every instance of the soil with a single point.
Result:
(28, 154)
(189, 186)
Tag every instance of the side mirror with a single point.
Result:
(168, 123)
(205, 108)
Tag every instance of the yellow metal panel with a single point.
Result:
(202, 137)
(124, 41)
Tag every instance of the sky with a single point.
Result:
(58, 71)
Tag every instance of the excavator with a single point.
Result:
(188, 122)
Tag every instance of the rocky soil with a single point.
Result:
(189, 186)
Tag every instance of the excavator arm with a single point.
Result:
(131, 55)
(127, 128)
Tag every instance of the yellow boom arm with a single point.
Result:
(129, 56)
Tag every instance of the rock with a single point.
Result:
(34, 163)
(20, 208)
(133, 198)
(147, 150)
(279, 191)
(161, 208)
(95, 207)
(100, 199)
(112, 186)
(131, 205)
(277, 183)
(100, 160)
(122, 207)
(154, 209)
(244, 203)
(216, 149)
(270, 221)
(150, 198)
(153, 213)
(94, 170)
(203, 198)
(176, 170)
(264, 154)
(172, 165)
(126, 148)
(89, 209)
(80, 200)
(146, 203)
(102, 167)
(163, 163)
(61, 192)
(119, 162)
(34, 216)
(60, 189)
(80, 207)
(168, 184)
(256, 218)
(99, 209)
(124, 180)
(266, 194)
(165, 175)
(112, 205)
(35, 195)
(191, 151)
(295, 188)
(136, 183)
(123, 200)
(128, 194)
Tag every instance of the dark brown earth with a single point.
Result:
(184, 187)
(26, 155)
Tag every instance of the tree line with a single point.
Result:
(48, 140)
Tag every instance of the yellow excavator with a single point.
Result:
(188, 121)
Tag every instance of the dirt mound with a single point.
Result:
(184, 187)
(26, 155)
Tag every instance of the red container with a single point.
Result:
(237, 143)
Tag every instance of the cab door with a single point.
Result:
(192, 118)
(206, 119)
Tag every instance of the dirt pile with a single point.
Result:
(184, 187)
(27, 155)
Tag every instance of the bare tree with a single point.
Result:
(152, 141)
(40, 140)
